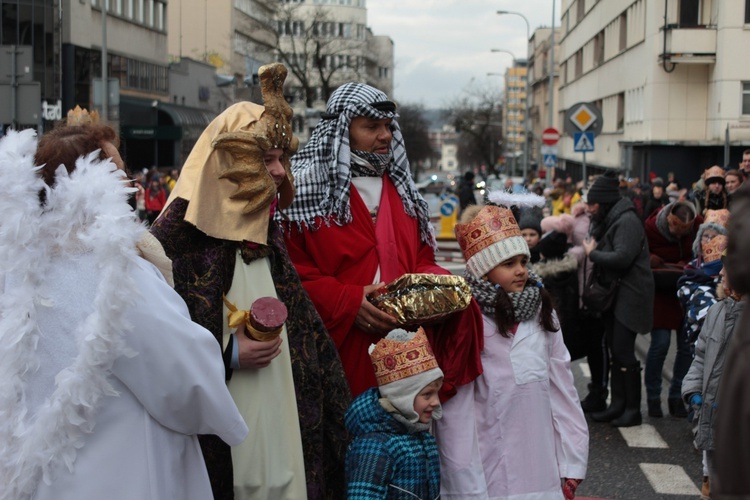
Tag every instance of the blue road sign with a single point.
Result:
(447, 209)
(550, 160)
(583, 141)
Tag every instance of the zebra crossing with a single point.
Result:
(654, 460)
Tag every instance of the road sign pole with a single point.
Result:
(585, 178)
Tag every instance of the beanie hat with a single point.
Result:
(490, 238)
(404, 365)
(605, 189)
(553, 245)
(714, 174)
(530, 218)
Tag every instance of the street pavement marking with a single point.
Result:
(643, 436)
(669, 479)
(585, 370)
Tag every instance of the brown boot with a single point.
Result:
(706, 489)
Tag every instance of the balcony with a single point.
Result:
(690, 45)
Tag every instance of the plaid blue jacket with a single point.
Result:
(384, 461)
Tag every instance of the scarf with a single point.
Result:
(525, 303)
(366, 164)
(323, 168)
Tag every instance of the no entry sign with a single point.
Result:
(550, 136)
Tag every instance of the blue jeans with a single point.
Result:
(657, 353)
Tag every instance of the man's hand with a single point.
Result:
(371, 319)
(255, 354)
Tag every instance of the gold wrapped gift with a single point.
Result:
(414, 299)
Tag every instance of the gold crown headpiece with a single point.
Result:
(394, 360)
(720, 217)
(490, 238)
(713, 249)
(273, 130)
(81, 116)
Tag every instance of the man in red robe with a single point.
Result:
(358, 222)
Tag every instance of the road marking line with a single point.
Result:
(643, 436)
(668, 479)
(585, 370)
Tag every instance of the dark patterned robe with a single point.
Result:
(203, 269)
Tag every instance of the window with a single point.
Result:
(599, 49)
(581, 10)
(159, 8)
(746, 98)
(621, 111)
(747, 11)
(690, 13)
(623, 31)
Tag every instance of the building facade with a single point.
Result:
(539, 86)
(514, 115)
(668, 78)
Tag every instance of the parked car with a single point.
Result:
(436, 184)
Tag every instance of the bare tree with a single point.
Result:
(477, 118)
(318, 50)
(414, 128)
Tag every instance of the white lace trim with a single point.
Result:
(89, 209)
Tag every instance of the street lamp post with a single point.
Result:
(526, 117)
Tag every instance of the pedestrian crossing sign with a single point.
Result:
(583, 141)
(550, 160)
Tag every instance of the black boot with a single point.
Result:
(596, 400)
(654, 408)
(677, 408)
(632, 414)
(617, 404)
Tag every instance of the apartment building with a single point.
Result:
(668, 77)
(514, 115)
(326, 43)
(540, 51)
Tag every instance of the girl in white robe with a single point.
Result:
(522, 433)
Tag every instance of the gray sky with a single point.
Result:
(441, 45)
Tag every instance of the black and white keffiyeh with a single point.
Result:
(322, 169)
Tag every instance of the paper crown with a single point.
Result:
(714, 172)
(720, 217)
(490, 238)
(80, 116)
(713, 249)
(395, 360)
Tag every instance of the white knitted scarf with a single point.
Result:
(88, 209)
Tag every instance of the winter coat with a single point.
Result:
(385, 461)
(732, 432)
(704, 374)
(560, 278)
(622, 252)
(715, 201)
(696, 294)
(669, 256)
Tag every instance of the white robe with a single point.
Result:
(517, 429)
(268, 465)
(144, 444)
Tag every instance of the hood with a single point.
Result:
(617, 211)
(553, 267)
(365, 415)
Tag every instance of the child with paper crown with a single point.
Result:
(524, 407)
(393, 456)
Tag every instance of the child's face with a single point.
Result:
(531, 237)
(428, 401)
(510, 274)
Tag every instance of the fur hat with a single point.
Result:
(489, 236)
(562, 223)
(605, 189)
(404, 365)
